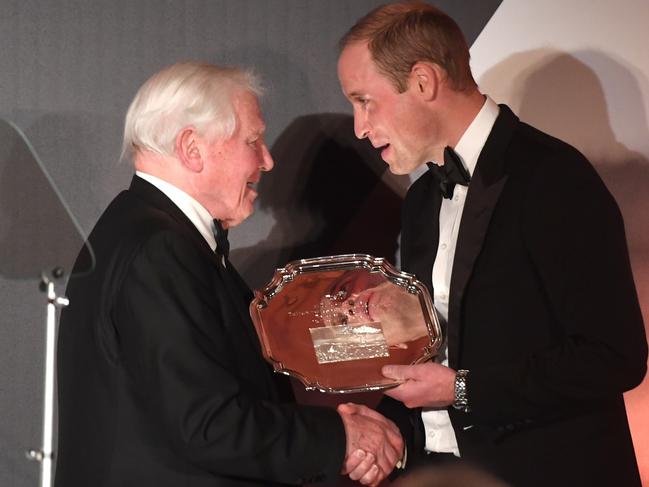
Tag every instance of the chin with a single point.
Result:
(242, 216)
(395, 167)
(397, 170)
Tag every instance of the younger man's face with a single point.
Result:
(394, 122)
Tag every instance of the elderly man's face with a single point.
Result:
(394, 122)
(233, 166)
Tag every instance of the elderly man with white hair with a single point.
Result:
(161, 379)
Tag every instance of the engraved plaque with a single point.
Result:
(333, 322)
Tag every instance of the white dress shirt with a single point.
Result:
(196, 212)
(440, 436)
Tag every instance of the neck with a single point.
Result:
(451, 115)
(458, 112)
(163, 167)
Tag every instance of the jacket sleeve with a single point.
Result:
(574, 236)
(182, 357)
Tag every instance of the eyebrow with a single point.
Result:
(258, 132)
(355, 95)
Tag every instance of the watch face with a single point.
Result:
(333, 322)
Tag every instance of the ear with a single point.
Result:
(426, 78)
(188, 149)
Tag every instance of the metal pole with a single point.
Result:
(46, 454)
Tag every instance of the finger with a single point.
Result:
(396, 372)
(391, 449)
(393, 455)
(363, 467)
(353, 461)
(387, 459)
(347, 408)
(379, 478)
(371, 477)
(397, 393)
(397, 444)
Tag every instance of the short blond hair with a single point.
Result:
(402, 34)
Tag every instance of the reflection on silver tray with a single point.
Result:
(333, 322)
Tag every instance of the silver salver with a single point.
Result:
(333, 322)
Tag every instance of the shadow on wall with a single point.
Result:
(329, 195)
(37, 232)
(563, 95)
(80, 150)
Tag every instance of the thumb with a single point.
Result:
(396, 372)
(348, 408)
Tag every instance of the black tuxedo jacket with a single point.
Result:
(543, 312)
(161, 378)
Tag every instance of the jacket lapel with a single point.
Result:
(485, 188)
(147, 191)
(241, 296)
(420, 230)
(232, 283)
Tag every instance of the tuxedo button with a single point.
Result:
(443, 246)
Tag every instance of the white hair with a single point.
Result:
(192, 94)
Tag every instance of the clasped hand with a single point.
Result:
(374, 444)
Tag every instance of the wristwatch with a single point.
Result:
(461, 401)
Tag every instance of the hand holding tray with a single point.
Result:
(333, 322)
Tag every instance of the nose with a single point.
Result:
(361, 127)
(266, 159)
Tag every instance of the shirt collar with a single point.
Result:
(196, 212)
(473, 140)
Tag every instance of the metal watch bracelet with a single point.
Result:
(461, 401)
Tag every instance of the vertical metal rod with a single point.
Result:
(48, 399)
(46, 454)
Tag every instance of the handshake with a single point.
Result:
(374, 444)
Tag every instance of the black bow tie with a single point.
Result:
(221, 236)
(451, 173)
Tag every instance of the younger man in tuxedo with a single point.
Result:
(523, 249)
